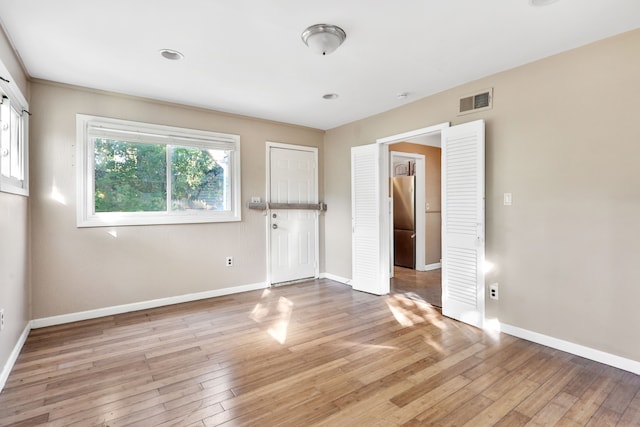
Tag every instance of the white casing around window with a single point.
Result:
(14, 157)
(88, 127)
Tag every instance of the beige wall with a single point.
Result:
(14, 289)
(432, 156)
(563, 138)
(76, 269)
(14, 281)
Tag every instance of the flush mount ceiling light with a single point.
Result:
(323, 38)
(330, 96)
(172, 55)
(541, 2)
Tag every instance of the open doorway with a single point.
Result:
(463, 287)
(415, 190)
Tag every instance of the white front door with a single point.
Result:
(293, 242)
(463, 222)
(370, 259)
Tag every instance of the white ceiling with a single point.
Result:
(246, 56)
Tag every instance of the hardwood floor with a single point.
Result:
(314, 353)
(426, 285)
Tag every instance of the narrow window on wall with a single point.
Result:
(132, 173)
(13, 146)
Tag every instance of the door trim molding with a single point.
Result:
(401, 137)
(385, 214)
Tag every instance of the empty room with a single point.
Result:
(341, 213)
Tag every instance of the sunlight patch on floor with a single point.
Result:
(260, 311)
(492, 328)
(278, 330)
(276, 315)
(409, 310)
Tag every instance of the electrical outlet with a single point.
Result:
(1, 319)
(493, 291)
(229, 261)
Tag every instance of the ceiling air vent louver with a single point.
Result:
(476, 102)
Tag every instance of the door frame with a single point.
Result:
(414, 136)
(420, 216)
(268, 146)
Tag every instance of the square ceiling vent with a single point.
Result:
(478, 101)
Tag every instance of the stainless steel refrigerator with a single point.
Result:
(404, 229)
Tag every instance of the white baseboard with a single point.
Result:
(6, 369)
(433, 266)
(143, 305)
(335, 278)
(429, 267)
(577, 349)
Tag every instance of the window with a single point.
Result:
(13, 143)
(133, 173)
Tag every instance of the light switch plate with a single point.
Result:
(508, 200)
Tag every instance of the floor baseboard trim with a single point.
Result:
(335, 278)
(434, 266)
(577, 349)
(143, 305)
(6, 370)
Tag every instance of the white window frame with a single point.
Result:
(88, 127)
(12, 99)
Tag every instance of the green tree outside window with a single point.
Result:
(132, 177)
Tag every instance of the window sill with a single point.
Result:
(160, 218)
(13, 189)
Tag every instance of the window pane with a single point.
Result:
(200, 179)
(16, 149)
(130, 177)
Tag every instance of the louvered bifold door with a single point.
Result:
(463, 222)
(368, 270)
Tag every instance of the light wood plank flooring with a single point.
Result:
(314, 353)
(426, 285)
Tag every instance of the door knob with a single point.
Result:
(274, 226)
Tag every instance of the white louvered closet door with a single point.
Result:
(463, 222)
(369, 259)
